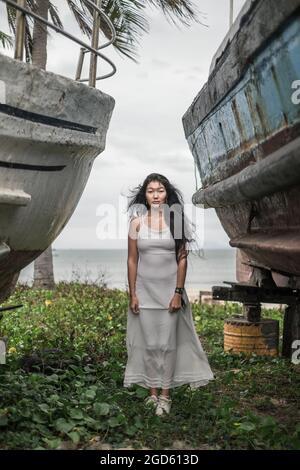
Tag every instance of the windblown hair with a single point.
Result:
(138, 206)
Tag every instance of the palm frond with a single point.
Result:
(11, 18)
(6, 40)
(54, 15)
(83, 17)
(128, 17)
(182, 11)
(129, 20)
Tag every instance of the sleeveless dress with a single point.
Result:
(163, 348)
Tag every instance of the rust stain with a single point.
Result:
(247, 153)
(238, 120)
(277, 85)
(262, 119)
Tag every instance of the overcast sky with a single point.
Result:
(146, 133)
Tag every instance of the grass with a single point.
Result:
(62, 385)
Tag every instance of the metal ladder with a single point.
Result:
(94, 48)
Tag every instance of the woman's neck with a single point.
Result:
(155, 214)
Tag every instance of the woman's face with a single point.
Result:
(156, 194)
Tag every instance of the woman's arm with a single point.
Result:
(132, 263)
(182, 268)
(175, 303)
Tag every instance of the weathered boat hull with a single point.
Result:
(51, 130)
(243, 130)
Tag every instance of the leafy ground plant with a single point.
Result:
(62, 384)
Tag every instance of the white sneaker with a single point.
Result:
(151, 401)
(163, 406)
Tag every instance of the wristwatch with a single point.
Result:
(179, 290)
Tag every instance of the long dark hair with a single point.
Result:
(138, 205)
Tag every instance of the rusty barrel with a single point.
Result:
(261, 337)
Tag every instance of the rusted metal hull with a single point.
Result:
(243, 129)
(51, 130)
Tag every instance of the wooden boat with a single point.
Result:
(243, 129)
(51, 130)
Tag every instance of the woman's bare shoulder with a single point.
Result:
(135, 223)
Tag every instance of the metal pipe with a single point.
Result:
(95, 44)
(20, 32)
(66, 34)
(109, 24)
(83, 51)
(93, 77)
(80, 64)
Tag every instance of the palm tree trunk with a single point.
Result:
(43, 277)
(43, 271)
(39, 46)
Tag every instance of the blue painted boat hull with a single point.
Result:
(243, 129)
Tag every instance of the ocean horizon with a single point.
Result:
(110, 267)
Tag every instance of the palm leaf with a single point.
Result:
(54, 15)
(82, 16)
(128, 17)
(130, 22)
(183, 11)
(11, 18)
(6, 40)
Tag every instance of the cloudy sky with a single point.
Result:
(146, 133)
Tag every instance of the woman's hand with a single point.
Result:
(134, 304)
(175, 303)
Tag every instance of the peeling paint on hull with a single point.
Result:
(244, 114)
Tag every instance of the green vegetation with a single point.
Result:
(62, 383)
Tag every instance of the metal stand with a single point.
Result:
(252, 296)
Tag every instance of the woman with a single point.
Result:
(163, 348)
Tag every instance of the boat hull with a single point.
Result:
(243, 129)
(51, 130)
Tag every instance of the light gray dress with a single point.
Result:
(163, 348)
